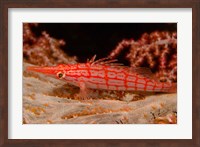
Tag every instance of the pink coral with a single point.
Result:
(157, 51)
(43, 50)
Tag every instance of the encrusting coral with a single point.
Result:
(43, 50)
(157, 51)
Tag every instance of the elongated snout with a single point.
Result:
(44, 70)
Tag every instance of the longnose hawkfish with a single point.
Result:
(106, 74)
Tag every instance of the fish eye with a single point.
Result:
(60, 75)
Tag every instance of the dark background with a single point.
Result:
(86, 39)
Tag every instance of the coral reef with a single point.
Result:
(170, 118)
(51, 101)
(43, 50)
(157, 51)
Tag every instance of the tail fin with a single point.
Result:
(173, 88)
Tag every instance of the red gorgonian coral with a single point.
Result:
(43, 50)
(157, 51)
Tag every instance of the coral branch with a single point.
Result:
(43, 50)
(157, 51)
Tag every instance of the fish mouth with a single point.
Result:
(40, 69)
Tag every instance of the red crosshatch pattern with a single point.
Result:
(105, 74)
(112, 78)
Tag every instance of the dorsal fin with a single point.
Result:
(143, 71)
(92, 59)
(104, 61)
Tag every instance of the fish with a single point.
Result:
(106, 74)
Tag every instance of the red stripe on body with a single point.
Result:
(106, 78)
(112, 79)
(154, 87)
(125, 81)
